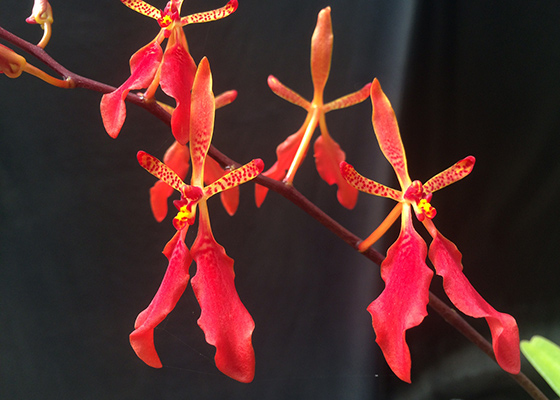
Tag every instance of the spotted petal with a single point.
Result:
(402, 304)
(202, 123)
(387, 132)
(213, 15)
(456, 172)
(160, 170)
(366, 185)
(235, 178)
(143, 8)
(177, 158)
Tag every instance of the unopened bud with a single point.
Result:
(11, 63)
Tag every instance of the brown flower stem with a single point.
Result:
(286, 190)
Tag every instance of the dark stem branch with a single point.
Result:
(287, 191)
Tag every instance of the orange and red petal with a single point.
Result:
(285, 153)
(505, 335)
(286, 93)
(348, 100)
(202, 123)
(171, 289)
(321, 52)
(367, 185)
(177, 75)
(456, 172)
(402, 304)
(230, 197)
(144, 65)
(225, 321)
(387, 132)
(328, 157)
(177, 158)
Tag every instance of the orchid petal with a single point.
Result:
(143, 8)
(505, 335)
(285, 153)
(321, 52)
(402, 304)
(225, 98)
(177, 158)
(202, 123)
(328, 157)
(225, 321)
(143, 65)
(171, 289)
(177, 75)
(160, 170)
(286, 93)
(213, 15)
(230, 197)
(387, 132)
(348, 100)
(235, 178)
(366, 185)
(456, 172)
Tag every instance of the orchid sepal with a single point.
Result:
(212, 15)
(171, 289)
(402, 304)
(235, 178)
(224, 319)
(456, 172)
(367, 185)
(446, 259)
(387, 131)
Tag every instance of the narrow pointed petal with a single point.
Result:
(144, 65)
(387, 132)
(366, 185)
(505, 335)
(143, 8)
(402, 304)
(177, 75)
(225, 321)
(235, 178)
(328, 157)
(225, 98)
(202, 123)
(456, 172)
(230, 197)
(321, 52)
(177, 158)
(213, 15)
(286, 93)
(171, 289)
(285, 153)
(348, 100)
(159, 170)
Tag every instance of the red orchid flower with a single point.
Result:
(150, 67)
(225, 321)
(177, 158)
(402, 304)
(328, 154)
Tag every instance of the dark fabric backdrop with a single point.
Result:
(80, 254)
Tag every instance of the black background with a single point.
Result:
(80, 254)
